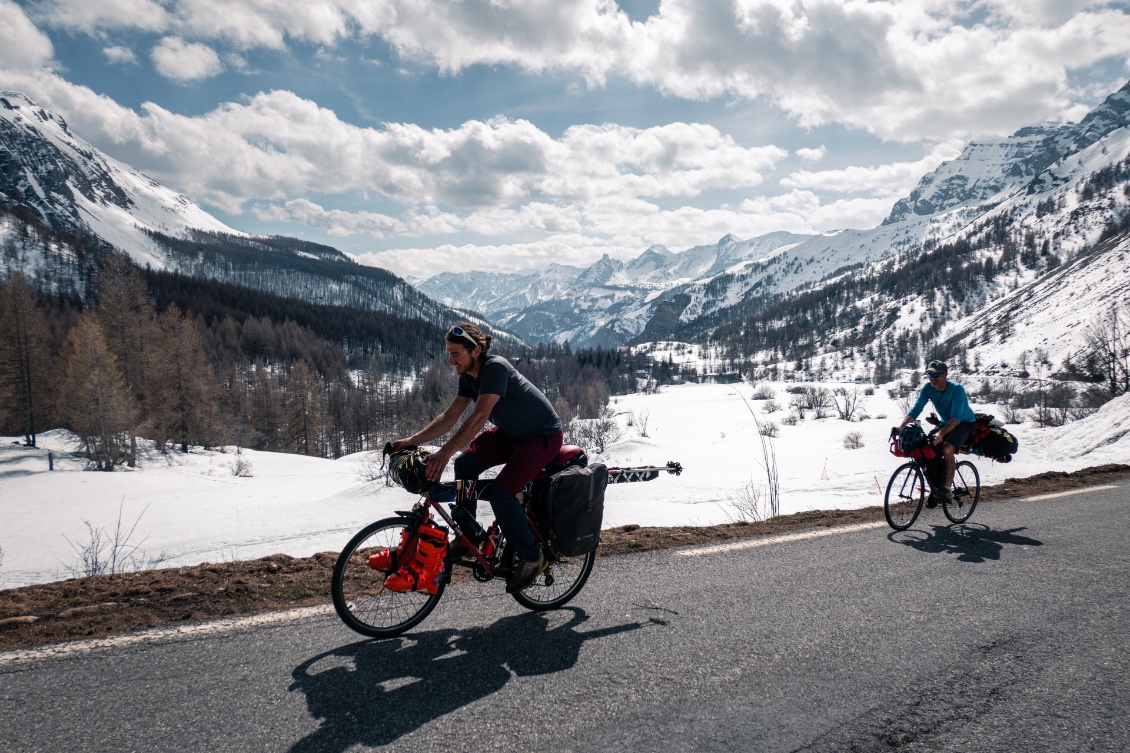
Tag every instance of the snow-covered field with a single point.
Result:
(194, 509)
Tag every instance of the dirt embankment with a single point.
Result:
(103, 605)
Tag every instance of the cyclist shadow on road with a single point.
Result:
(971, 542)
(374, 692)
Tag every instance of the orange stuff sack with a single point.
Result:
(387, 559)
(423, 571)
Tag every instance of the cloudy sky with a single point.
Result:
(432, 135)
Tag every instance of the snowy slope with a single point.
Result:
(192, 507)
(74, 186)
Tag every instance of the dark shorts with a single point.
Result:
(960, 434)
(524, 457)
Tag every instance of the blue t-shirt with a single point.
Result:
(522, 409)
(953, 403)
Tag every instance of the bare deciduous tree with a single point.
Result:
(24, 361)
(96, 403)
(1107, 352)
(184, 399)
(847, 403)
(125, 314)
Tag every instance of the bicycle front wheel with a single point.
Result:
(966, 492)
(905, 493)
(557, 584)
(359, 594)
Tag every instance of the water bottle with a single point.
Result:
(466, 520)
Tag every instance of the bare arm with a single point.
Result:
(438, 460)
(438, 426)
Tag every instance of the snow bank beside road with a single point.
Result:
(195, 510)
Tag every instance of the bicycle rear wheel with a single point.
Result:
(966, 492)
(359, 594)
(557, 584)
(905, 493)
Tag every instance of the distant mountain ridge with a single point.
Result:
(606, 303)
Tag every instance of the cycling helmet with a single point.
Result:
(406, 468)
(911, 437)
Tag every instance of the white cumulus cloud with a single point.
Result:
(185, 61)
(119, 54)
(22, 45)
(906, 71)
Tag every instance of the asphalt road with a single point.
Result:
(1006, 634)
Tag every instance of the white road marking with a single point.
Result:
(60, 650)
(1068, 494)
(753, 543)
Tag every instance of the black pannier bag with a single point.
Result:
(998, 444)
(575, 503)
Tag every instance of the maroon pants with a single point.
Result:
(524, 457)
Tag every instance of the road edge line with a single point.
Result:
(156, 635)
(768, 541)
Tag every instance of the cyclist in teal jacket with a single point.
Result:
(958, 419)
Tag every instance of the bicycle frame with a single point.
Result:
(455, 492)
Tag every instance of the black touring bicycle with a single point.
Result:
(391, 575)
(914, 482)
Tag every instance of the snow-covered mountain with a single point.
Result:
(1046, 193)
(608, 303)
(75, 187)
(50, 178)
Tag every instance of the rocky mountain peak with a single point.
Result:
(988, 168)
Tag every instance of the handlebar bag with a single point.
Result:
(575, 501)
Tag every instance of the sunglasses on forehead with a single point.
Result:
(460, 332)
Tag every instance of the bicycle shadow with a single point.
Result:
(379, 690)
(971, 542)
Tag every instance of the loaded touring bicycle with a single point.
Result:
(391, 575)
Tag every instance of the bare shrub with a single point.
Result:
(847, 403)
(595, 434)
(108, 553)
(771, 406)
(769, 504)
(639, 421)
(816, 399)
(241, 467)
(853, 440)
(764, 392)
(791, 420)
(769, 429)
(747, 503)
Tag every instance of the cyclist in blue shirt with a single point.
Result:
(958, 419)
